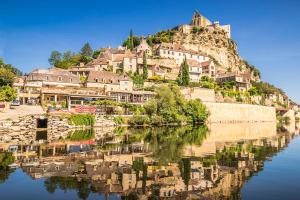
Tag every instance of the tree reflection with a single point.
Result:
(5, 160)
(68, 183)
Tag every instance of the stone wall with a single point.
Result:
(206, 95)
(235, 113)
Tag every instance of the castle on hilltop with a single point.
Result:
(200, 21)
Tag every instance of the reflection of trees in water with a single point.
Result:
(166, 143)
(82, 134)
(5, 160)
(185, 170)
(68, 183)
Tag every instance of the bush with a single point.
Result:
(157, 120)
(196, 111)
(139, 120)
(119, 120)
(82, 119)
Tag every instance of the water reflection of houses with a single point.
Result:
(121, 165)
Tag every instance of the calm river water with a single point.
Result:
(237, 161)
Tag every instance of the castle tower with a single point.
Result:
(199, 20)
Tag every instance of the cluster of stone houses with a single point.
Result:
(56, 86)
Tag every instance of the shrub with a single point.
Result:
(157, 120)
(139, 120)
(119, 120)
(196, 111)
(82, 119)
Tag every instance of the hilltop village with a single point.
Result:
(200, 57)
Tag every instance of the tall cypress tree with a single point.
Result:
(184, 74)
(145, 66)
(131, 43)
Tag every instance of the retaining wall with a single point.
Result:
(236, 113)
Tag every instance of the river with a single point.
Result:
(222, 161)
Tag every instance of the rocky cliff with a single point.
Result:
(215, 44)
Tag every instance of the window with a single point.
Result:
(59, 78)
(47, 78)
(96, 80)
(71, 80)
(191, 68)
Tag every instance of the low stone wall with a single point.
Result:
(236, 113)
(205, 95)
(24, 123)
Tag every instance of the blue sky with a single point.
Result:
(266, 31)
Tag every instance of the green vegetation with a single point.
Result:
(138, 80)
(6, 77)
(185, 170)
(79, 135)
(282, 122)
(11, 68)
(207, 82)
(145, 66)
(5, 160)
(7, 94)
(253, 69)
(8, 74)
(82, 187)
(139, 120)
(68, 59)
(167, 143)
(162, 36)
(86, 50)
(184, 75)
(170, 107)
(132, 41)
(264, 88)
(119, 120)
(82, 119)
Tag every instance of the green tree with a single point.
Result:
(132, 41)
(184, 75)
(7, 77)
(196, 111)
(145, 66)
(55, 57)
(13, 69)
(253, 91)
(7, 93)
(96, 54)
(86, 50)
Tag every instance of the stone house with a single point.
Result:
(195, 70)
(44, 78)
(208, 69)
(144, 47)
(242, 81)
(179, 53)
(109, 81)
